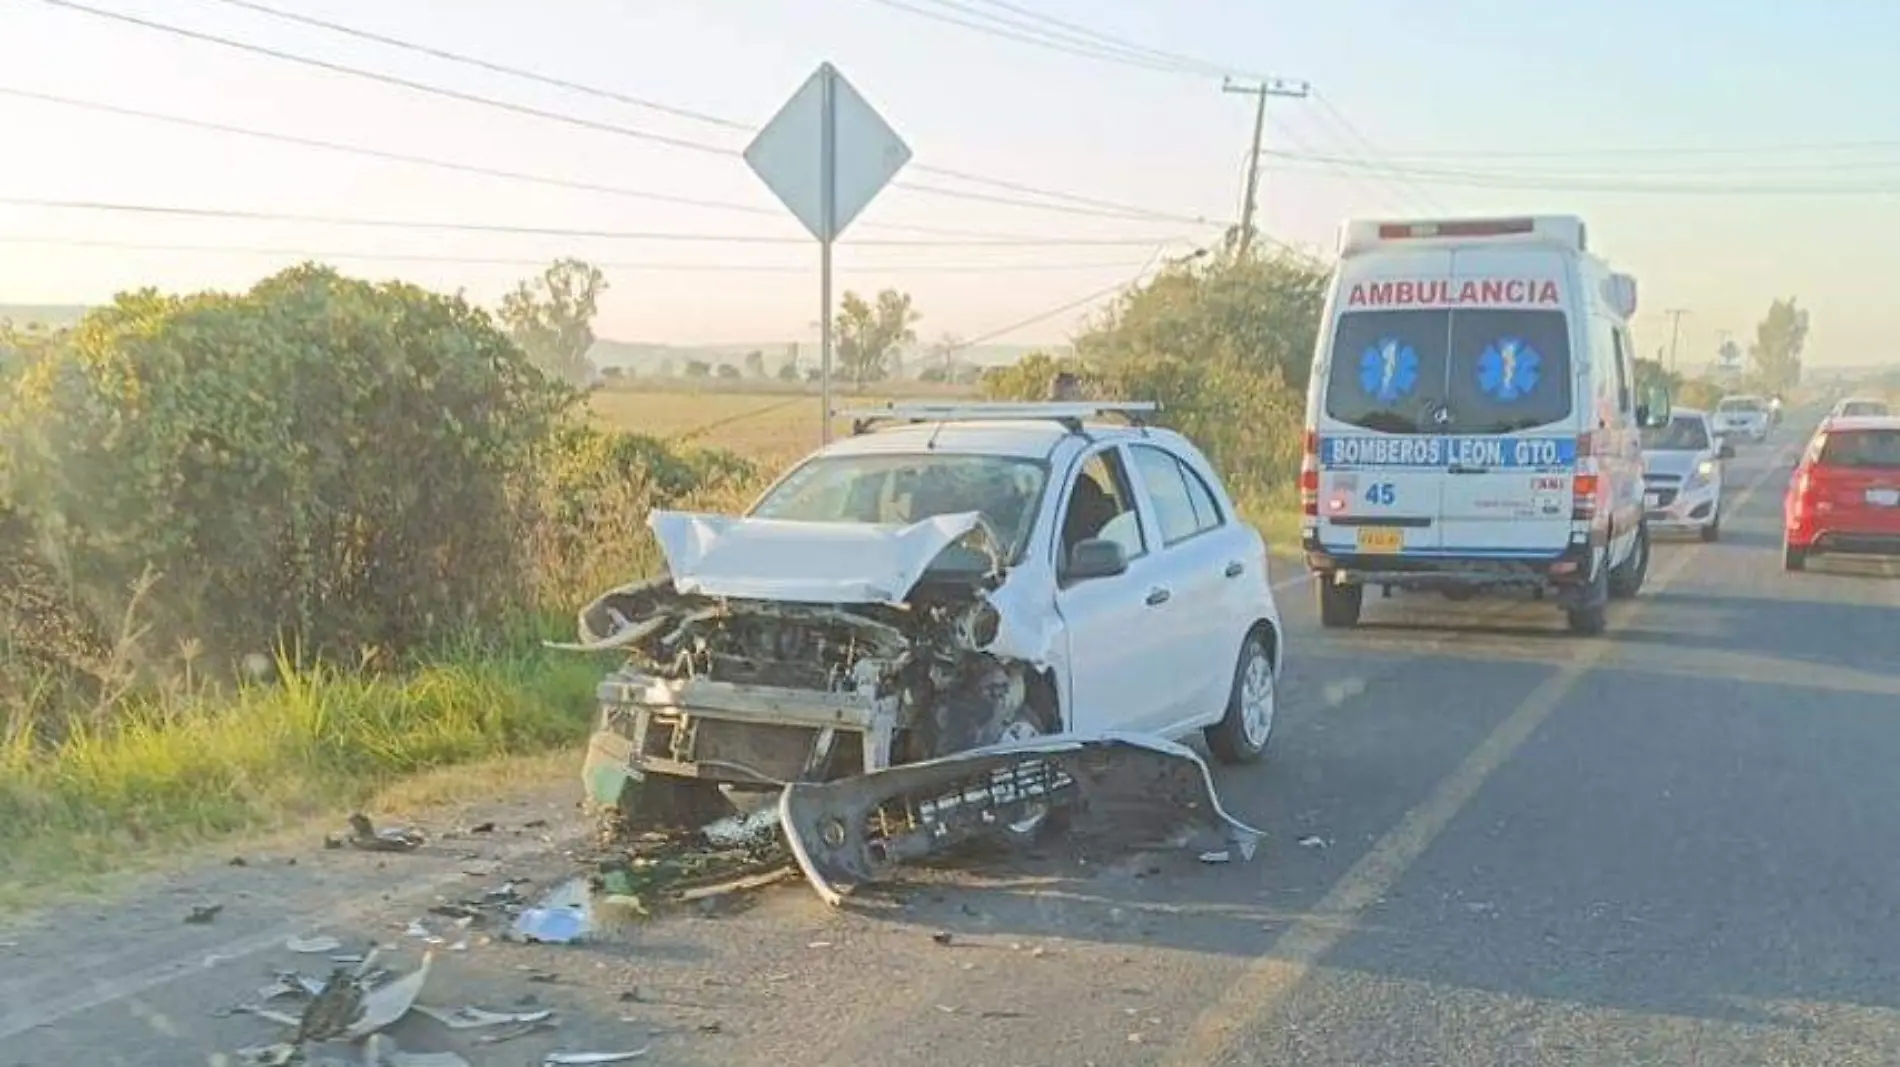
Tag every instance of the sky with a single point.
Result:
(1725, 154)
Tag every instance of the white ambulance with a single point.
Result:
(1472, 422)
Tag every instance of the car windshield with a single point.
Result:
(1863, 407)
(1739, 405)
(1864, 449)
(1492, 371)
(1685, 433)
(909, 488)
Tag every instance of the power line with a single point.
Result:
(506, 261)
(1089, 298)
(1332, 112)
(954, 15)
(1182, 61)
(572, 120)
(1487, 154)
(1559, 183)
(546, 231)
(466, 168)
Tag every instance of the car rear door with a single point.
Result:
(1511, 393)
(1381, 461)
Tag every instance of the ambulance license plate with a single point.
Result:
(1381, 540)
(1884, 498)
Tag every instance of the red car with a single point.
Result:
(1845, 495)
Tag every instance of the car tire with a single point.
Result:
(1713, 531)
(1244, 732)
(1339, 605)
(1626, 579)
(1793, 559)
(1592, 616)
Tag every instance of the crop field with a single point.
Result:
(772, 429)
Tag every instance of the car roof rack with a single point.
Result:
(1069, 413)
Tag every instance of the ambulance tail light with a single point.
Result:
(1585, 483)
(1309, 475)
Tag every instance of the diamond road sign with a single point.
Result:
(827, 131)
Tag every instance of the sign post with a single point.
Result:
(825, 155)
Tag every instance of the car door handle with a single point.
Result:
(1235, 569)
(1158, 595)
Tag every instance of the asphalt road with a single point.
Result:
(1491, 843)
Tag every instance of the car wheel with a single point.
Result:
(1793, 559)
(1339, 605)
(1592, 616)
(1242, 734)
(1626, 580)
(1713, 531)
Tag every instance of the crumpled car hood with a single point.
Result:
(802, 562)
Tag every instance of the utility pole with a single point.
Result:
(1675, 333)
(1297, 90)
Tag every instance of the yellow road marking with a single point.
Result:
(1265, 984)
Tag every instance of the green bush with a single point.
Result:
(320, 461)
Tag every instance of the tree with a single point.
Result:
(698, 368)
(263, 455)
(755, 364)
(788, 371)
(1259, 313)
(551, 317)
(726, 370)
(869, 334)
(1779, 341)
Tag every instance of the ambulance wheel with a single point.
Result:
(1626, 579)
(1592, 615)
(1338, 604)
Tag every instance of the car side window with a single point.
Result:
(1183, 506)
(1101, 505)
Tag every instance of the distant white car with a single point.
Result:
(1682, 479)
(973, 575)
(1855, 407)
(1742, 417)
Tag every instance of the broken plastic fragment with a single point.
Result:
(555, 926)
(365, 835)
(384, 1006)
(470, 1017)
(320, 943)
(577, 1059)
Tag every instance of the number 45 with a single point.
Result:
(1381, 493)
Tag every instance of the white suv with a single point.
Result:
(1742, 417)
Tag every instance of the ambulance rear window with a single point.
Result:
(1491, 370)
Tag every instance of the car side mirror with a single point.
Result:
(1096, 557)
(1727, 451)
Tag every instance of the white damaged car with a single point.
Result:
(968, 577)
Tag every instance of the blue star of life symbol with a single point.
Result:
(1507, 370)
(1388, 369)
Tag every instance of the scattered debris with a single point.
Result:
(942, 937)
(320, 943)
(1313, 841)
(576, 1059)
(470, 1017)
(1218, 856)
(385, 1005)
(535, 824)
(517, 1030)
(202, 914)
(237, 861)
(1128, 790)
(365, 835)
(482, 828)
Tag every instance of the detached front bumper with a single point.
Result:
(721, 732)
